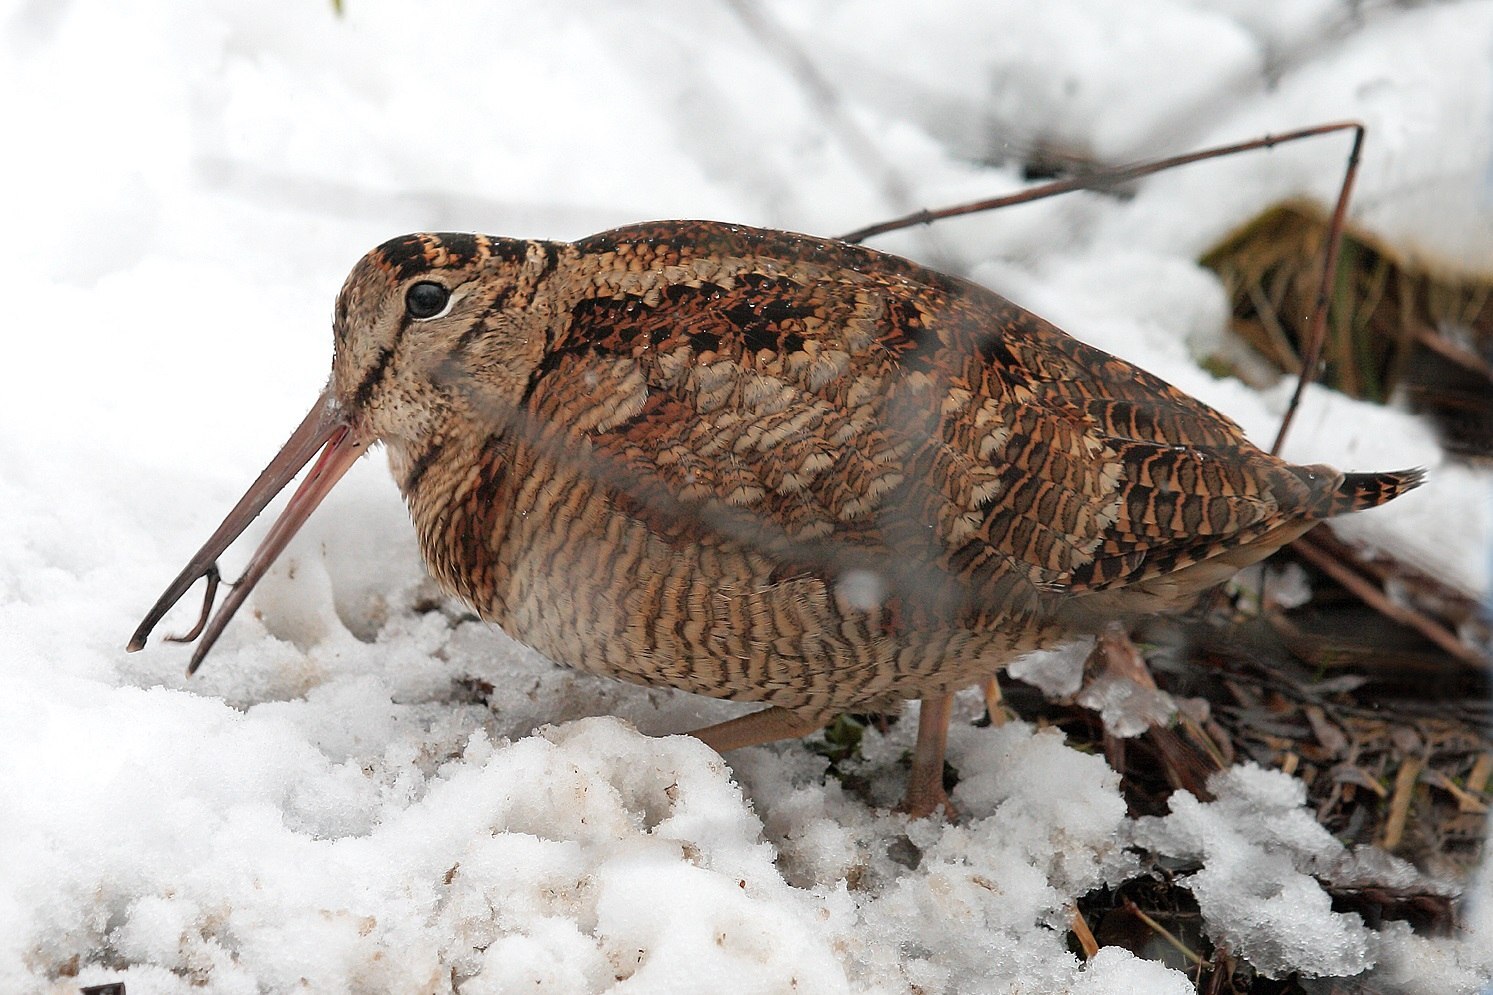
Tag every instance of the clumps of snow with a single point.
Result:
(1116, 971)
(586, 858)
(653, 873)
(1126, 708)
(1260, 852)
(1006, 789)
(1462, 964)
(977, 906)
(577, 858)
(1056, 672)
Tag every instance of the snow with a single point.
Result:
(1257, 845)
(1056, 671)
(1126, 708)
(364, 790)
(1260, 855)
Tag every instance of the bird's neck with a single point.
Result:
(459, 488)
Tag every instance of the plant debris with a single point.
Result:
(1396, 328)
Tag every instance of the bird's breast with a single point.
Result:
(549, 553)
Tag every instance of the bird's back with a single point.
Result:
(900, 450)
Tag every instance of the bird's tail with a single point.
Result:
(1357, 491)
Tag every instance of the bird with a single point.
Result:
(769, 467)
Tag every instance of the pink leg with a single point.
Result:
(925, 793)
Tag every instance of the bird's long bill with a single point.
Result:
(324, 429)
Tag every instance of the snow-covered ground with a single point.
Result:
(329, 806)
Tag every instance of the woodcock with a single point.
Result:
(770, 467)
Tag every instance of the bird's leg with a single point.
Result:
(756, 728)
(925, 792)
(995, 702)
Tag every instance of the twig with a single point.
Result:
(1163, 932)
(1080, 927)
(1317, 333)
(1376, 599)
(1399, 803)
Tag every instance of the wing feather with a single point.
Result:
(833, 407)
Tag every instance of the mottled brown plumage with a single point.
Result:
(775, 468)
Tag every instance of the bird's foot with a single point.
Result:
(921, 802)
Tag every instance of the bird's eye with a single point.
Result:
(426, 299)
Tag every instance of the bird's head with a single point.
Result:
(427, 326)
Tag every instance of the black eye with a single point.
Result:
(426, 299)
